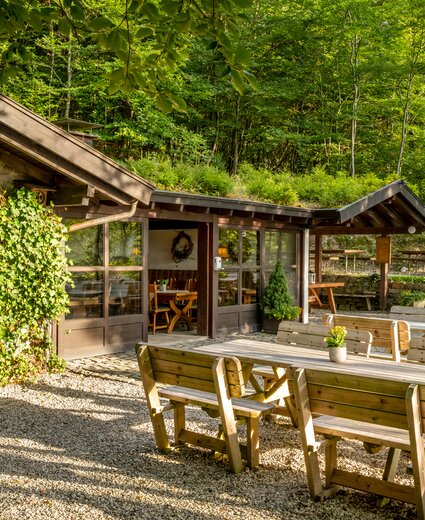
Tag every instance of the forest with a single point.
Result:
(312, 102)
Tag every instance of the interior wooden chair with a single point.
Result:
(155, 310)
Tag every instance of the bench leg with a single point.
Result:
(253, 441)
(179, 422)
(389, 472)
(308, 438)
(330, 461)
(414, 417)
(227, 416)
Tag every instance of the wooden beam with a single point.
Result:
(342, 230)
(22, 169)
(74, 196)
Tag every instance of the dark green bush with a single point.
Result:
(277, 301)
(409, 297)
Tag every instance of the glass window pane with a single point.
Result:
(250, 286)
(280, 246)
(125, 293)
(227, 288)
(86, 246)
(250, 247)
(228, 246)
(125, 243)
(86, 297)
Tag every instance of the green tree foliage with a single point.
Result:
(125, 29)
(33, 274)
(338, 88)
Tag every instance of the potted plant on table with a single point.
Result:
(276, 302)
(336, 344)
(162, 284)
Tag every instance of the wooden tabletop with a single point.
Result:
(273, 354)
(324, 285)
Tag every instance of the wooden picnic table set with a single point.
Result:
(370, 398)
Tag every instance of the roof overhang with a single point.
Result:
(224, 207)
(392, 209)
(58, 158)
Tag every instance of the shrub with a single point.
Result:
(267, 186)
(407, 298)
(277, 300)
(33, 275)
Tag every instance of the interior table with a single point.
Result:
(329, 286)
(180, 303)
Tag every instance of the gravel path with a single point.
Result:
(78, 446)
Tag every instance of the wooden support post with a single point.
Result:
(383, 257)
(318, 266)
(383, 287)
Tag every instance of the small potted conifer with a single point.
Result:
(276, 302)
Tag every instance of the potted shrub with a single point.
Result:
(162, 285)
(276, 302)
(335, 341)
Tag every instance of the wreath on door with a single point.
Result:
(182, 247)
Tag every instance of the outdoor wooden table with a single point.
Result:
(172, 297)
(281, 357)
(329, 286)
(284, 356)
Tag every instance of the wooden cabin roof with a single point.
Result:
(34, 150)
(392, 209)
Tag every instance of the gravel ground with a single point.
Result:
(78, 446)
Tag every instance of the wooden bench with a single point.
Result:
(308, 335)
(217, 385)
(392, 335)
(366, 297)
(414, 315)
(373, 410)
(416, 350)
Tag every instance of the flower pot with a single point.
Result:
(163, 288)
(270, 325)
(338, 354)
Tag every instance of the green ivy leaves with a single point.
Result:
(33, 275)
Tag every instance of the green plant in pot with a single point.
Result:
(276, 302)
(162, 284)
(335, 340)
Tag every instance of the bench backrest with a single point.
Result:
(401, 312)
(313, 336)
(393, 335)
(375, 400)
(416, 350)
(194, 370)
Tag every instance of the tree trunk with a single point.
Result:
(354, 62)
(68, 79)
(404, 125)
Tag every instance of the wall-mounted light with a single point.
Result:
(223, 252)
(411, 230)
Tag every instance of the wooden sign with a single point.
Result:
(383, 250)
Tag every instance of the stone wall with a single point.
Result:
(366, 284)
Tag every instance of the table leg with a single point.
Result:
(180, 313)
(316, 297)
(331, 300)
